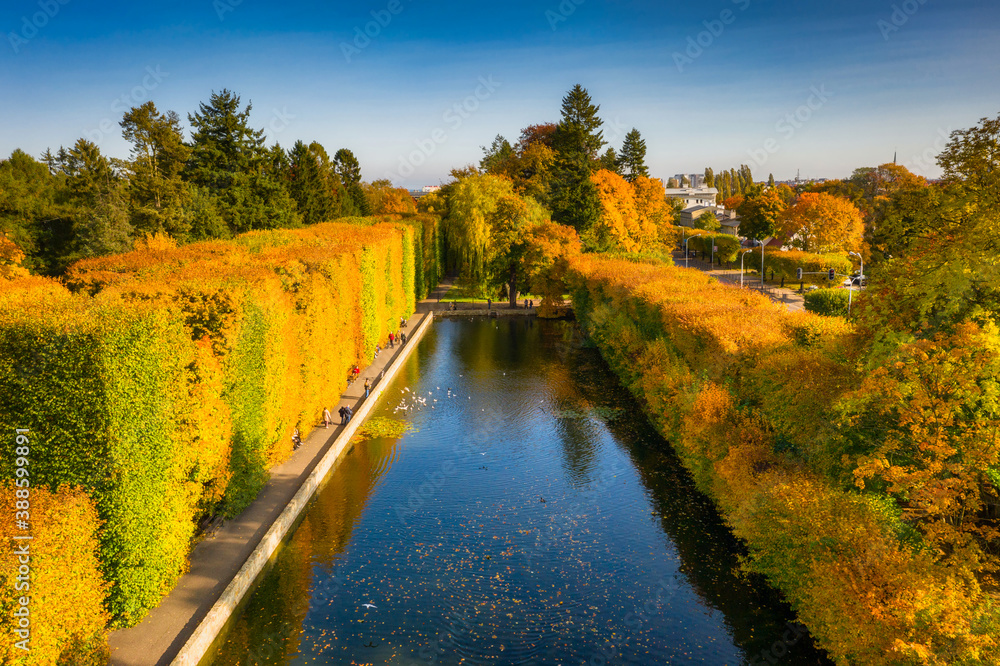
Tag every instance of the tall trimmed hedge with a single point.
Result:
(729, 245)
(829, 302)
(170, 382)
(66, 590)
(785, 262)
(748, 394)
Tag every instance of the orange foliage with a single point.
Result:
(11, 257)
(67, 591)
(748, 394)
(822, 224)
(620, 226)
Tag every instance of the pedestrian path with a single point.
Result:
(788, 297)
(218, 559)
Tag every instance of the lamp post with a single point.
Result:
(742, 256)
(861, 279)
(686, 252)
(762, 267)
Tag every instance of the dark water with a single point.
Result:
(533, 516)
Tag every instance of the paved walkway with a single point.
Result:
(789, 297)
(437, 303)
(216, 560)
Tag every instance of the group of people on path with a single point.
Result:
(346, 413)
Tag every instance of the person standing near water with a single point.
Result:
(368, 386)
(327, 417)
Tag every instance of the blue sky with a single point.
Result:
(782, 86)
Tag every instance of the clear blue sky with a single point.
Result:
(887, 83)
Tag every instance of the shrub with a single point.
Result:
(67, 590)
(829, 302)
(750, 395)
(171, 382)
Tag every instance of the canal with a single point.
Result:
(529, 515)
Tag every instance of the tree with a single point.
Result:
(619, 227)
(384, 199)
(733, 203)
(709, 177)
(707, 221)
(348, 169)
(306, 185)
(499, 158)
(157, 191)
(759, 214)
(653, 208)
(229, 159)
(972, 156)
(551, 246)
(577, 140)
(485, 226)
(632, 163)
(11, 257)
(822, 224)
(770, 180)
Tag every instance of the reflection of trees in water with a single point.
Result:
(709, 553)
(270, 628)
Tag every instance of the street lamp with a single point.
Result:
(762, 267)
(686, 252)
(742, 256)
(861, 280)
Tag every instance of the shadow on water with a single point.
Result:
(532, 516)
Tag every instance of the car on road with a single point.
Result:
(856, 281)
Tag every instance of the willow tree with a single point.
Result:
(486, 226)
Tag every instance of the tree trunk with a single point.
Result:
(512, 287)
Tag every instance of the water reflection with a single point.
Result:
(531, 517)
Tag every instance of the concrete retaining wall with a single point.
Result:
(207, 631)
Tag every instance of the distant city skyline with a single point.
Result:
(416, 91)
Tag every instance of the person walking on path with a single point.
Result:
(368, 386)
(391, 340)
(296, 439)
(350, 413)
(327, 417)
(402, 336)
(343, 415)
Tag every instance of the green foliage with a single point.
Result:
(829, 302)
(785, 263)
(728, 246)
(632, 161)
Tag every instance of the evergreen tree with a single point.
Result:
(305, 184)
(770, 180)
(609, 161)
(577, 140)
(633, 158)
(229, 159)
(157, 191)
(353, 200)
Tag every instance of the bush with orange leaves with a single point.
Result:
(755, 401)
(171, 381)
(63, 586)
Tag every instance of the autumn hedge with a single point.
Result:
(170, 382)
(752, 398)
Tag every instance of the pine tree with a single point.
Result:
(633, 157)
(577, 140)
